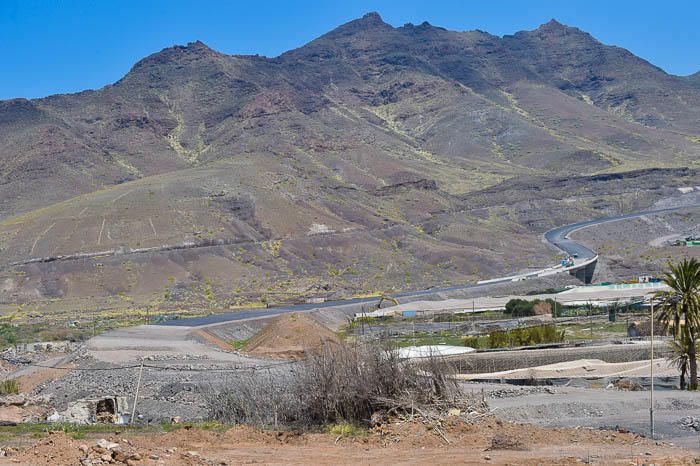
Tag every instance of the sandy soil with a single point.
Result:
(489, 442)
(289, 336)
(38, 375)
(581, 368)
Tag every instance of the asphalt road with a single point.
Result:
(557, 237)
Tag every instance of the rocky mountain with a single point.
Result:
(371, 158)
(694, 78)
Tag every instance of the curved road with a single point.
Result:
(558, 237)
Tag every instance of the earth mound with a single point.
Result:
(289, 336)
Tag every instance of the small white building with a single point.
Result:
(415, 352)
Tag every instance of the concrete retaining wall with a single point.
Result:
(477, 363)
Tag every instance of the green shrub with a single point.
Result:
(476, 342)
(346, 430)
(526, 336)
(238, 344)
(8, 335)
(520, 307)
(499, 339)
(525, 308)
(9, 387)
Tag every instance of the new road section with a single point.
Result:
(558, 237)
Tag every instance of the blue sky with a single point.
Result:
(59, 46)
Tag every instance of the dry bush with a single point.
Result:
(257, 398)
(628, 384)
(502, 441)
(338, 384)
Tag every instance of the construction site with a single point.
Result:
(540, 367)
(579, 360)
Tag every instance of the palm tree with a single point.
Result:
(680, 309)
(679, 358)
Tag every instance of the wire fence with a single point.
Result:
(164, 368)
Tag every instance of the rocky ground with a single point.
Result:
(563, 423)
(489, 441)
(599, 408)
(178, 370)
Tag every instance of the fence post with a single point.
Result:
(136, 396)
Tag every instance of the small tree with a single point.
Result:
(520, 308)
(680, 309)
(680, 359)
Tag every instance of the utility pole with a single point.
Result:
(136, 396)
(362, 321)
(651, 371)
(414, 329)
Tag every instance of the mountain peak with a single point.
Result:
(196, 49)
(372, 17)
(553, 24)
(200, 46)
(177, 54)
(360, 34)
(554, 27)
(369, 21)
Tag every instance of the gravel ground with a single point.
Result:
(178, 370)
(169, 388)
(586, 407)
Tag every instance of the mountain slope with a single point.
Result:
(371, 158)
(694, 79)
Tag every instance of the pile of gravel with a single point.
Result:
(690, 422)
(520, 391)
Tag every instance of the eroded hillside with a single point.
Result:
(372, 158)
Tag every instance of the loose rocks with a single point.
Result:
(690, 422)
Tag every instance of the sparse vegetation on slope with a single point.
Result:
(275, 179)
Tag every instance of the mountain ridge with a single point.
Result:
(371, 147)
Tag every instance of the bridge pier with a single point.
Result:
(585, 274)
